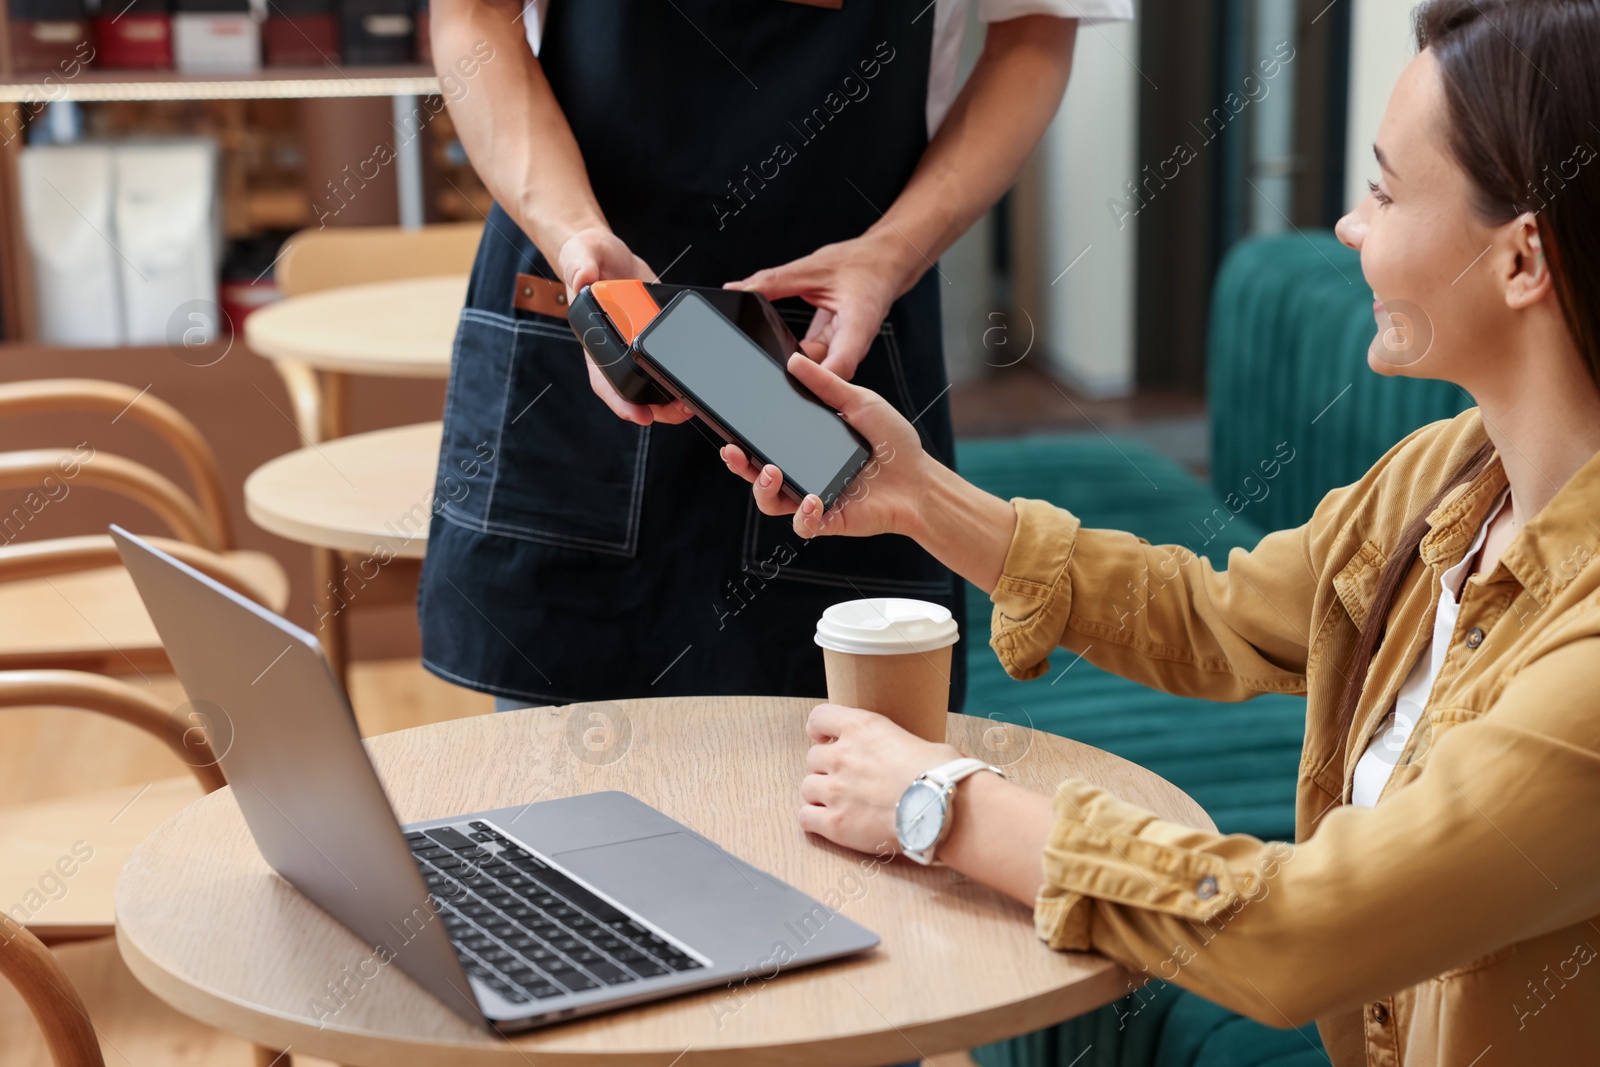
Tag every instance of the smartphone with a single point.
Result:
(608, 316)
(747, 395)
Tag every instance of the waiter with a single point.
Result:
(813, 150)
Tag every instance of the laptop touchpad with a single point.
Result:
(681, 881)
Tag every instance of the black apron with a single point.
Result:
(575, 556)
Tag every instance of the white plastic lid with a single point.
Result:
(886, 626)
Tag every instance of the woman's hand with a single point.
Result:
(884, 498)
(858, 766)
(596, 254)
(851, 284)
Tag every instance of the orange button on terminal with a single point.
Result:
(628, 304)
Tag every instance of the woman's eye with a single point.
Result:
(1377, 193)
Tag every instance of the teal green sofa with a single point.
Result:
(1291, 320)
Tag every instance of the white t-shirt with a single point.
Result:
(949, 23)
(1410, 704)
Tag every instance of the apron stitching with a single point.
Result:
(506, 322)
(449, 390)
(500, 431)
(484, 524)
(524, 533)
(641, 457)
(891, 348)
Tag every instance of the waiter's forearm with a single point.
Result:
(993, 125)
(510, 123)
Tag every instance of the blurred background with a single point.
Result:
(1155, 327)
(203, 134)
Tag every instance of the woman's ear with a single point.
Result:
(1528, 281)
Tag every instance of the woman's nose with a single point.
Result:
(1351, 230)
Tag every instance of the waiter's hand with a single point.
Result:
(851, 284)
(593, 255)
(886, 497)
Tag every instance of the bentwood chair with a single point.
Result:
(67, 602)
(59, 858)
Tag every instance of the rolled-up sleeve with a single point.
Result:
(1103, 848)
(1086, 10)
(1159, 615)
(1493, 843)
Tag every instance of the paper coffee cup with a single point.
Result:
(891, 656)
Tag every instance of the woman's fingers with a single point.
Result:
(769, 492)
(809, 519)
(831, 389)
(766, 480)
(734, 457)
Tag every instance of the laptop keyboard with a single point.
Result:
(525, 929)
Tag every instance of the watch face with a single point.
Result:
(919, 816)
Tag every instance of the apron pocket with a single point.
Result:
(886, 565)
(562, 469)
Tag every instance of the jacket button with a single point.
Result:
(1380, 1013)
(1474, 637)
(1207, 888)
(527, 291)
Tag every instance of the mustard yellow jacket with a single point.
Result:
(1455, 923)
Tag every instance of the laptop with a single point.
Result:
(515, 918)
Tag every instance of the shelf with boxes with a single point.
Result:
(284, 84)
(194, 49)
(159, 79)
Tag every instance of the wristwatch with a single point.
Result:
(922, 818)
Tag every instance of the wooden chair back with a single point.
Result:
(201, 519)
(51, 997)
(25, 961)
(84, 691)
(353, 255)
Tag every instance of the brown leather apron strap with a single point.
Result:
(540, 295)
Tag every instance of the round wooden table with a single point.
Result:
(401, 329)
(370, 493)
(205, 924)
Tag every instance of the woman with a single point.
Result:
(1442, 905)
(809, 150)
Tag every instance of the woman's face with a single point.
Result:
(1440, 309)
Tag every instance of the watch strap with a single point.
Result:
(954, 771)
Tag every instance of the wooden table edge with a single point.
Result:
(860, 1049)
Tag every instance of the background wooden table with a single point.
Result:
(400, 328)
(369, 493)
(203, 922)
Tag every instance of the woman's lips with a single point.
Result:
(1378, 311)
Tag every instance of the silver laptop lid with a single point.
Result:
(287, 741)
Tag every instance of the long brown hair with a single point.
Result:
(1521, 91)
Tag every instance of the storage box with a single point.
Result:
(169, 231)
(49, 35)
(215, 37)
(300, 33)
(376, 32)
(67, 197)
(134, 35)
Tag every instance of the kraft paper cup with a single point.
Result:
(892, 656)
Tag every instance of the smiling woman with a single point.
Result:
(1432, 888)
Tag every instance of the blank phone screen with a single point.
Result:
(731, 378)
